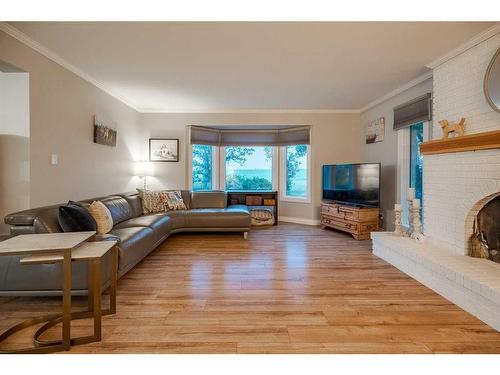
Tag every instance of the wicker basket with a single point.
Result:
(269, 202)
(253, 200)
(262, 216)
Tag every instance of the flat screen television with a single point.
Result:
(356, 184)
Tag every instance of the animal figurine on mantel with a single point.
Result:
(458, 128)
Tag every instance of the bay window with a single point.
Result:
(251, 159)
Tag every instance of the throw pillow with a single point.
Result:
(102, 217)
(153, 201)
(175, 201)
(74, 217)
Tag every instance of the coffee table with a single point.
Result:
(65, 248)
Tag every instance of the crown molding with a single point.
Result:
(479, 38)
(254, 111)
(25, 39)
(399, 90)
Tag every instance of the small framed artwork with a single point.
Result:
(163, 149)
(375, 130)
(104, 131)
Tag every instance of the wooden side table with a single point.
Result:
(93, 253)
(61, 247)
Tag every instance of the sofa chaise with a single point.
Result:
(137, 235)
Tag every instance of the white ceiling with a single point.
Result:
(196, 66)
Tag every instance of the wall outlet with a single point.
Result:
(54, 159)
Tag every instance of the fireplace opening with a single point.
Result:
(486, 237)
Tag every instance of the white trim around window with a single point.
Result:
(282, 178)
(215, 167)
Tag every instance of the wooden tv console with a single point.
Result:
(358, 221)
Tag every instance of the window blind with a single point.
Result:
(412, 112)
(214, 136)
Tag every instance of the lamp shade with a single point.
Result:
(143, 169)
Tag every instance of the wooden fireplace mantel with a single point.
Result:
(472, 142)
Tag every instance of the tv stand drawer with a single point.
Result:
(358, 221)
(340, 212)
(349, 212)
(347, 226)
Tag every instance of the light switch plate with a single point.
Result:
(54, 159)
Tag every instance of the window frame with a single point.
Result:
(215, 169)
(411, 159)
(403, 167)
(283, 175)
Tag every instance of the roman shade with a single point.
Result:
(413, 112)
(204, 136)
(248, 136)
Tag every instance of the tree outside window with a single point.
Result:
(202, 167)
(249, 168)
(296, 171)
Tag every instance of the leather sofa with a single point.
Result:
(137, 235)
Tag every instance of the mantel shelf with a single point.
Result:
(472, 142)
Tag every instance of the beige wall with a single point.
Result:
(335, 139)
(386, 152)
(61, 109)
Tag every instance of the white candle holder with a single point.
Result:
(416, 225)
(410, 217)
(398, 227)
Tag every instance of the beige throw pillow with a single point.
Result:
(153, 201)
(102, 217)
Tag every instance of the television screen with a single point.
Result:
(357, 184)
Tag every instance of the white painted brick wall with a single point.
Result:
(458, 89)
(454, 183)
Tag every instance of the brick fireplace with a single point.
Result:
(456, 185)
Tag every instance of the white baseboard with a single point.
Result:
(298, 220)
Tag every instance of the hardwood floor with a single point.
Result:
(287, 289)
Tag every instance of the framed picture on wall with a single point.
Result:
(163, 149)
(104, 131)
(375, 130)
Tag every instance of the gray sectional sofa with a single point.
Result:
(138, 235)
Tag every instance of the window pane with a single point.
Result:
(296, 171)
(416, 159)
(249, 168)
(202, 167)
